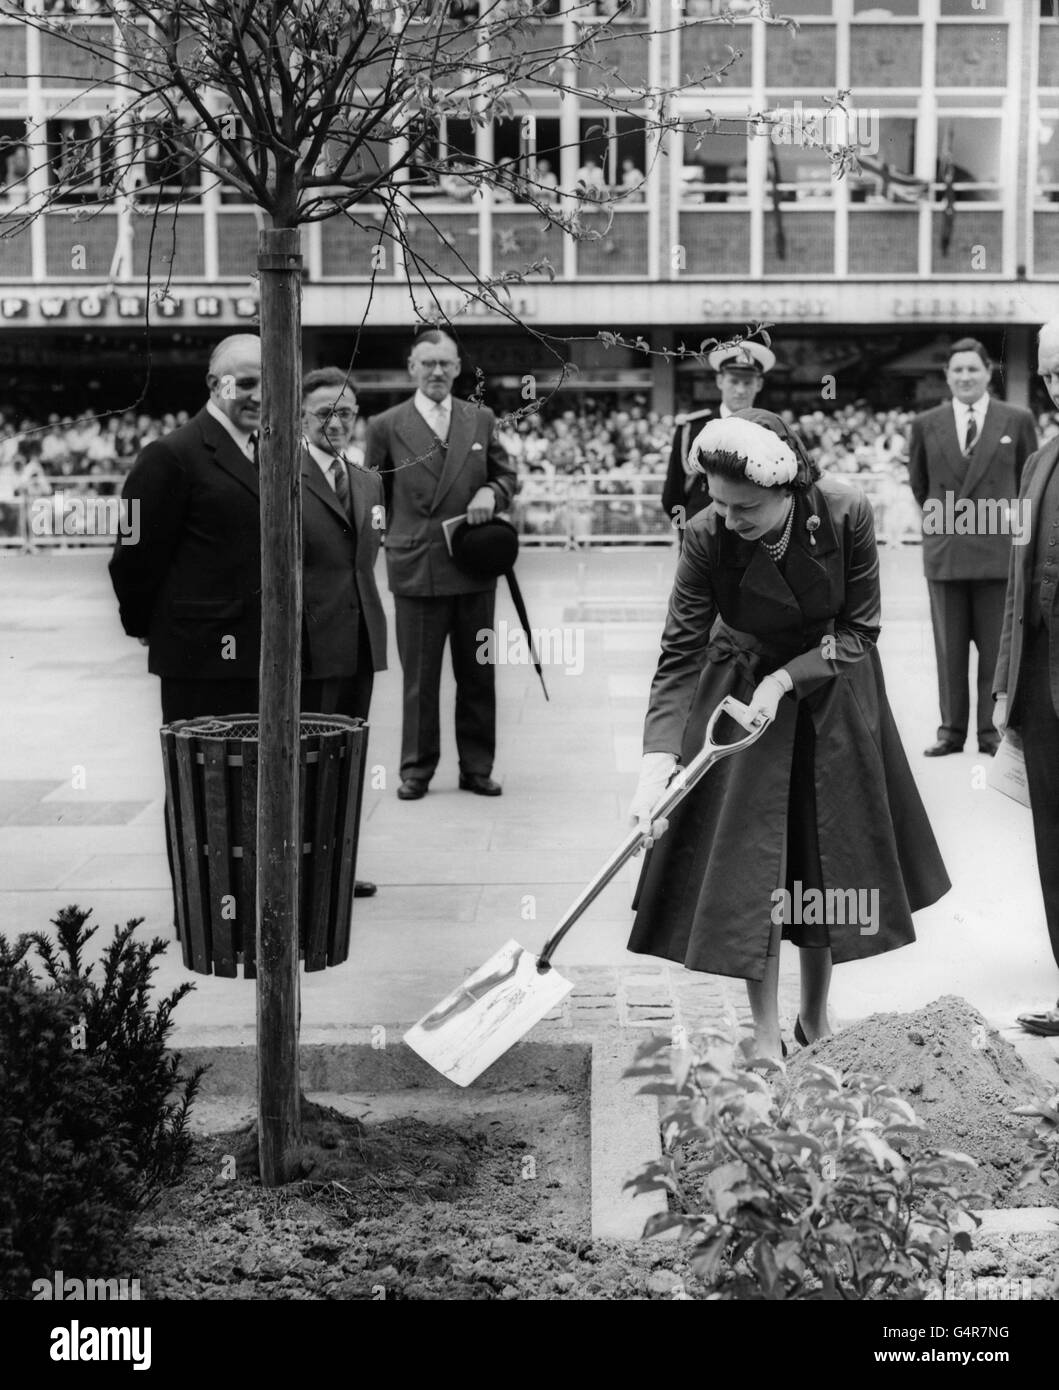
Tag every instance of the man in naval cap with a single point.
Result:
(740, 372)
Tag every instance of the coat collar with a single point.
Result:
(983, 449)
(418, 437)
(225, 452)
(804, 573)
(314, 480)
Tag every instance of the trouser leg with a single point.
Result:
(475, 683)
(422, 625)
(949, 611)
(987, 619)
(1039, 728)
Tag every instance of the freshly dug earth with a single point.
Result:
(491, 1200)
(439, 1205)
(962, 1079)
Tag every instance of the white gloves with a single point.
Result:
(655, 771)
(1000, 714)
(766, 698)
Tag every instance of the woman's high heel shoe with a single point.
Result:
(799, 1033)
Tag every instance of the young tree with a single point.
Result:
(314, 110)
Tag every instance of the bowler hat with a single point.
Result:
(489, 549)
(745, 357)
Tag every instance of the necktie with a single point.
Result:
(341, 481)
(972, 433)
(438, 422)
(251, 447)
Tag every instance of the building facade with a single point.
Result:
(949, 226)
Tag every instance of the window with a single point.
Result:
(611, 157)
(527, 152)
(805, 9)
(714, 168)
(981, 9)
(80, 160)
(888, 163)
(585, 11)
(1048, 157)
(885, 9)
(801, 173)
(14, 161)
(968, 158)
(169, 168)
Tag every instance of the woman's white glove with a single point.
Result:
(766, 698)
(655, 771)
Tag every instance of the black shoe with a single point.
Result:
(989, 749)
(799, 1033)
(411, 789)
(363, 889)
(941, 748)
(481, 786)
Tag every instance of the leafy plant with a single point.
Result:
(89, 1126)
(1043, 1165)
(126, 1037)
(795, 1187)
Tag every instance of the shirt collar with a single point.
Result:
(241, 437)
(978, 409)
(322, 457)
(427, 407)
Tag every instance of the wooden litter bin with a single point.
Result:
(211, 826)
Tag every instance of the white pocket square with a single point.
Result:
(1006, 439)
(475, 447)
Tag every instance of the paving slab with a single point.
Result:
(453, 869)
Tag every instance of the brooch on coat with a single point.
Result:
(812, 525)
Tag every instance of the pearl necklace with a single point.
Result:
(777, 549)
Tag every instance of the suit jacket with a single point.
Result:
(936, 466)
(426, 484)
(679, 490)
(192, 583)
(1019, 596)
(338, 572)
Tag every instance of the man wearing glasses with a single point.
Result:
(440, 459)
(343, 519)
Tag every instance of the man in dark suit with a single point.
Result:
(965, 462)
(1027, 672)
(343, 520)
(440, 458)
(740, 372)
(190, 589)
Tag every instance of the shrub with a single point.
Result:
(795, 1188)
(1043, 1140)
(93, 1110)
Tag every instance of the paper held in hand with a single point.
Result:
(1007, 771)
(449, 526)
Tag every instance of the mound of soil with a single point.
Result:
(962, 1079)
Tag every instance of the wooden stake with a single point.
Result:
(278, 820)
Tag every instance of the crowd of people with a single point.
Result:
(586, 470)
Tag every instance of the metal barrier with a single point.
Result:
(567, 510)
(601, 509)
(79, 510)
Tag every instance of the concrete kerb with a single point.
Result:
(624, 1124)
(625, 1131)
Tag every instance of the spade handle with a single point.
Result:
(678, 788)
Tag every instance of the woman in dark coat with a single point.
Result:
(816, 832)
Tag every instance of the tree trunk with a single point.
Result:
(278, 827)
